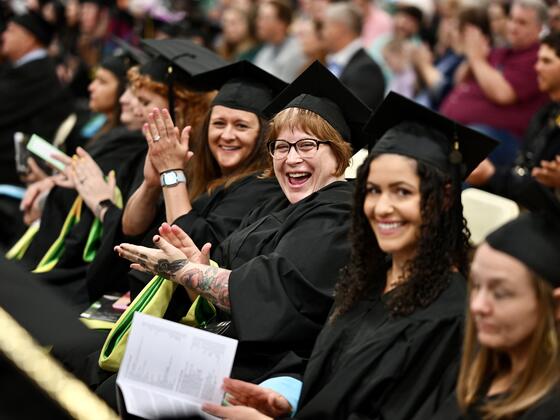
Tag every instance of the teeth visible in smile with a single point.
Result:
(230, 148)
(393, 225)
(297, 174)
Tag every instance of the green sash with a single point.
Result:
(18, 250)
(56, 250)
(152, 300)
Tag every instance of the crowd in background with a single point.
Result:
(441, 53)
(240, 139)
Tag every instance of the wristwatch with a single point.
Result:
(172, 178)
(103, 204)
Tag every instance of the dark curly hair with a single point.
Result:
(443, 245)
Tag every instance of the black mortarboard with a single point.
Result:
(178, 59)
(125, 56)
(439, 141)
(35, 24)
(241, 85)
(118, 65)
(319, 91)
(156, 68)
(182, 54)
(534, 239)
(134, 54)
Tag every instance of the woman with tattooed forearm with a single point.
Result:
(171, 263)
(278, 269)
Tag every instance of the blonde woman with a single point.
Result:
(511, 359)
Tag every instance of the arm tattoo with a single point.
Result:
(211, 282)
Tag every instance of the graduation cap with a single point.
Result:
(319, 91)
(439, 142)
(182, 54)
(135, 54)
(241, 85)
(125, 56)
(36, 25)
(534, 239)
(177, 59)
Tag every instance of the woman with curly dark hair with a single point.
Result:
(392, 345)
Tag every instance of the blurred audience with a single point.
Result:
(346, 57)
(498, 12)
(238, 40)
(281, 53)
(539, 159)
(376, 20)
(497, 90)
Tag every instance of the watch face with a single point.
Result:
(169, 178)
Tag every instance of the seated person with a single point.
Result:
(105, 90)
(496, 91)
(33, 101)
(437, 77)
(510, 366)
(391, 347)
(536, 161)
(62, 250)
(287, 252)
(224, 174)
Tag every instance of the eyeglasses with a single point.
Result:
(305, 148)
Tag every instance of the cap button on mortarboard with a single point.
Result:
(456, 157)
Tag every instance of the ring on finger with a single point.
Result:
(157, 138)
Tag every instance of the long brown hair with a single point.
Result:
(442, 247)
(203, 171)
(539, 377)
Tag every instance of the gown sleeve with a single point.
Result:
(280, 299)
(284, 294)
(215, 226)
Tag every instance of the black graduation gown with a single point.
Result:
(121, 150)
(548, 408)
(370, 365)
(213, 217)
(285, 260)
(32, 101)
(542, 142)
(284, 265)
(216, 215)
